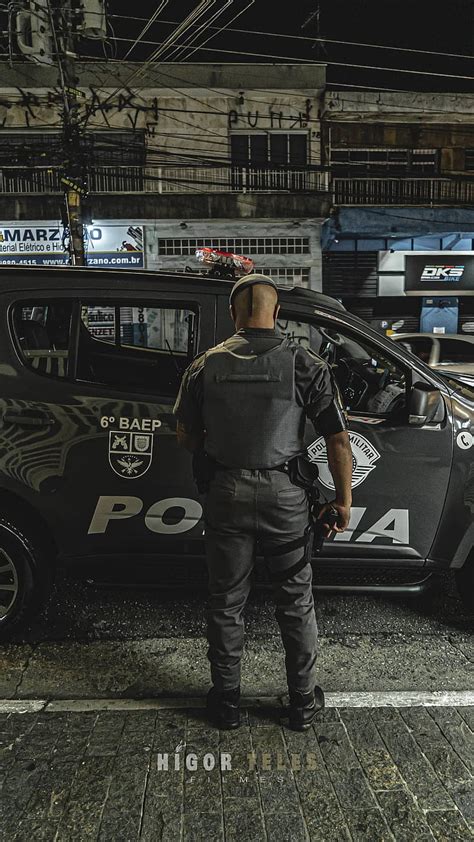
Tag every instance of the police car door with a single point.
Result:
(108, 462)
(135, 350)
(400, 471)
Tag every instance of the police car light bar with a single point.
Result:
(224, 264)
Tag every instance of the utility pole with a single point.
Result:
(74, 178)
(46, 31)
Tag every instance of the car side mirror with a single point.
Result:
(426, 405)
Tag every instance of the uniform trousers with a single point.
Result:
(245, 512)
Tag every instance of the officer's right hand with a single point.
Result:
(343, 512)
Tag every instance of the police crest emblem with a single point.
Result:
(130, 454)
(364, 457)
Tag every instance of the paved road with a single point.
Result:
(74, 771)
(151, 643)
(82, 612)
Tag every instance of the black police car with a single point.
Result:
(90, 364)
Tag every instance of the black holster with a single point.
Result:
(304, 474)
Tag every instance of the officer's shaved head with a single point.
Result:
(255, 306)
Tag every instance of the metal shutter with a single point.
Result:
(350, 273)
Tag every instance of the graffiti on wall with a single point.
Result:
(29, 107)
(133, 104)
(271, 119)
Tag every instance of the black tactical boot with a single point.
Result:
(223, 708)
(304, 707)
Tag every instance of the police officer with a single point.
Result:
(245, 403)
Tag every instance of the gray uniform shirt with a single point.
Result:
(316, 391)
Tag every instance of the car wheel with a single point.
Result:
(26, 577)
(465, 584)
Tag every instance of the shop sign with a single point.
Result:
(108, 246)
(451, 273)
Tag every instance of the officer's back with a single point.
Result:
(245, 403)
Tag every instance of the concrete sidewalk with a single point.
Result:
(363, 775)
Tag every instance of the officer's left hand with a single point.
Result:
(343, 512)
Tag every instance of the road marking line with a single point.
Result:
(393, 698)
(401, 698)
(22, 705)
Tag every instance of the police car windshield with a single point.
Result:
(332, 342)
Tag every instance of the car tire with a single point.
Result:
(465, 584)
(26, 577)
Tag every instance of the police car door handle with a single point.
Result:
(36, 419)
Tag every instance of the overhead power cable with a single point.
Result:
(171, 116)
(312, 39)
(176, 157)
(299, 60)
(145, 29)
(452, 128)
(182, 53)
(156, 150)
(188, 157)
(183, 160)
(420, 109)
(220, 29)
(215, 110)
(194, 16)
(257, 32)
(181, 30)
(367, 209)
(273, 91)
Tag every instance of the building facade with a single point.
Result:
(402, 170)
(187, 155)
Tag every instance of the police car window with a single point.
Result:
(42, 330)
(135, 347)
(303, 333)
(369, 381)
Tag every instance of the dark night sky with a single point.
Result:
(418, 24)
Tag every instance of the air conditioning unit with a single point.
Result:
(93, 23)
(33, 32)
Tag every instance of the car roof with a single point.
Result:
(65, 277)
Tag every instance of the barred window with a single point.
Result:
(269, 149)
(248, 246)
(297, 276)
(384, 161)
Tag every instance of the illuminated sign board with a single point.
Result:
(108, 246)
(449, 273)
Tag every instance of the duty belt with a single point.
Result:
(218, 466)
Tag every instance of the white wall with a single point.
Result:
(237, 229)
